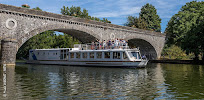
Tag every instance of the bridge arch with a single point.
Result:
(85, 35)
(146, 45)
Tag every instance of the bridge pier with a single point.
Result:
(8, 52)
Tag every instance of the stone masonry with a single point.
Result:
(17, 25)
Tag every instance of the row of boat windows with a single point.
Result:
(107, 55)
(47, 53)
(99, 55)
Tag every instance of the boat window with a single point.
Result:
(124, 55)
(134, 54)
(61, 56)
(139, 57)
(116, 55)
(91, 54)
(71, 55)
(65, 56)
(84, 54)
(99, 55)
(38, 53)
(78, 55)
(107, 54)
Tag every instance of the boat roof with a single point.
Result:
(78, 50)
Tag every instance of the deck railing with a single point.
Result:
(97, 46)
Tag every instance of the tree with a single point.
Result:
(185, 29)
(149, 14)
(105, 20)
(37, 8)
(148, 19)
(76, 11)
(25, 6)
(131, 21)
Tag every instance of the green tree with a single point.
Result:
(136, 22)
(185, 29)
(37, 8)
(175, 52)
(25, 6)
(105, 20)
(76, 11)
(131, 21)
(148, 19)
(40, 41)
(149, 14)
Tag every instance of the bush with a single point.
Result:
(175, 52)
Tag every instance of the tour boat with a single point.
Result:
(87, 55)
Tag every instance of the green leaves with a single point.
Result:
(185, 29)
(76, 11)
(149, 15)
(148, 19)
(46, 40)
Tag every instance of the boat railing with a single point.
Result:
(97, 46)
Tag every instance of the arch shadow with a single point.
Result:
(145, 48)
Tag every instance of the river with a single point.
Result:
(156, 81)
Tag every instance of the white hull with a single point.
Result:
(80, 57)
(93, 63)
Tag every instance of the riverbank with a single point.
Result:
(200, 62)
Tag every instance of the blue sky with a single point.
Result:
(116, 11)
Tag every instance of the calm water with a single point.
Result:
(156, 81)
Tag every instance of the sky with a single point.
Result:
(116, 11)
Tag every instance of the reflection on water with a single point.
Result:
(156, 81)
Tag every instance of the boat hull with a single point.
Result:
(93, 63)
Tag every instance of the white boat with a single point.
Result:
(83, 55)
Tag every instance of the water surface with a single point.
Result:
(156, 81)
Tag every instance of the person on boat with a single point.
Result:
(100, 44)
(116, 43)
(144, 57)
(109, 44)
(104, 44)
(92, 45)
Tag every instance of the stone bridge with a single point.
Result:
(18, 24)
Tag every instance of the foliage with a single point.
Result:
(136, 22)
(175, 52)
(37, 8)
(76, 11)
(149, 15)
(185, 29)
(45, 40)
(25, 6)
(148, 19)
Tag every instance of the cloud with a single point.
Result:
(114, 8)
(130, 11)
